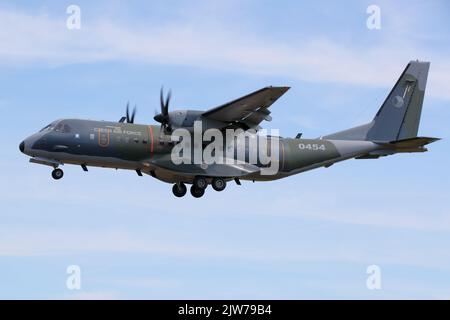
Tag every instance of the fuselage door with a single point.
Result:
(103, 137)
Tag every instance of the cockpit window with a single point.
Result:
(66, 128)
(63, 127)
(48, 127)
(59, 127)
(45, 128)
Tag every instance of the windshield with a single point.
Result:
(49, 126)
(63, 127)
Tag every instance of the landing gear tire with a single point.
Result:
(179, 190)
(57, 174)
(200, 182)
(218, 184)
(197, 192)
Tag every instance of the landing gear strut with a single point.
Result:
(218, 184)
(179, 189)
(57, 174)
(197, 192)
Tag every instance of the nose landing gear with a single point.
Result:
(57, 174)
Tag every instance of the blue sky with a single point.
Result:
(308, 236)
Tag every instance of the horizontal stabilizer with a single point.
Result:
(400, 146)
(410, 145)
(414, 142)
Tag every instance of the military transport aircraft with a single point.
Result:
(147, 148)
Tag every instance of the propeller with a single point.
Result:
(130, 119)
(163, 117)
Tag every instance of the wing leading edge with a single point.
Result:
(248, 111)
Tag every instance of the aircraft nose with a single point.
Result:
(22, 146)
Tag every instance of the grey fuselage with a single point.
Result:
(135, 147)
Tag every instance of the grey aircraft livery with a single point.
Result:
(153, 149)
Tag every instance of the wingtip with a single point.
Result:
(432, 139)
(283, 88)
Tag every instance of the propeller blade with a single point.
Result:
(161, 96)
(128, 112)
(166, 106)
(133, 114)
(163, 117)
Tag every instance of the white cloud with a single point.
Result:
(40, 39)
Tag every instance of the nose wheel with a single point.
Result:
(57, 174)
(179, 189)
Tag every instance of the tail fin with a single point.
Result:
(399, 116)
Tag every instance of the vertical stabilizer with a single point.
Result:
(399, 116)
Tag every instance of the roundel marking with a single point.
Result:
(398, 102)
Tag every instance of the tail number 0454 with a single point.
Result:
(312, 146)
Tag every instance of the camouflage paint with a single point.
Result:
(146, 148)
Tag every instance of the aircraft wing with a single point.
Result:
(234, 170)
(248, 111)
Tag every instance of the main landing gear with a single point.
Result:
(197, 192)
(200, 182)
(57, 174)
(179, 189)
(218, 184)
(199, 186)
